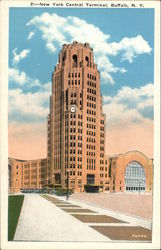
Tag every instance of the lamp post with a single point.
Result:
(54, 182)
(67, 184)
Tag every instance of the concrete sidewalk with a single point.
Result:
(40, 220)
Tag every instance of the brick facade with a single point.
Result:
(33, 174)
(76, 123)
(76, 136)
(26, 174)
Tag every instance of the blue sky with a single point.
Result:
(123, 43)
(118, 23)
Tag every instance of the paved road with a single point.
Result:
(139, 205)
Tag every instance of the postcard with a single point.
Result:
(80, 124)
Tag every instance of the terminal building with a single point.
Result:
(129, 172)
(76, 123)
(76, 137)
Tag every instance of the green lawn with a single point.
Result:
(14, 209)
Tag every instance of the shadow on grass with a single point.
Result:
(14, 209)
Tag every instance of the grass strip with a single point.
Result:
(14, 209)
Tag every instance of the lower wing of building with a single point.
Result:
(129, 172)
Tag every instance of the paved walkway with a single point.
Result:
(50, 218)
(40, 220)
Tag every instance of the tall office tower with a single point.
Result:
(76, 123)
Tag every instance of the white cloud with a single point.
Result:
(21, 78)
(30, 35)
(130, 48)
(18, 57)
(51, 47)
(31, 105)
(106, 67)
(16, 76)
(57, 30)
(27, 104)
(129, 105)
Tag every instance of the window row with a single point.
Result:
(91, 105)
(89, 160)
(91, 126)
(73, 102)
(90, 146)
(91, 112)
(73, 130)
(73, 123)
(79, 123)
(74, 116)
(91, 133)
(73, 137)
(91, 77)
(73, 166)
(73, 82)
(92, 91)
(91, 153)
(92, 84)
(79, 116)
(90, 139)
(91, 119)
(73, 74)
(73, 94)
(91, 98)
(73, 173)
(89, 167)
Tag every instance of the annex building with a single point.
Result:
(76, 137)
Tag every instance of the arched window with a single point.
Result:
(74, 60)
(87, 60)
(135, 177)
(63, 59)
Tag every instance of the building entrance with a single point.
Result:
(90, 178)
(134, 177)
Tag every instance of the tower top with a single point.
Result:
(76, 55)
(76, 44)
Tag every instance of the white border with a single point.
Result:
(4, 24)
